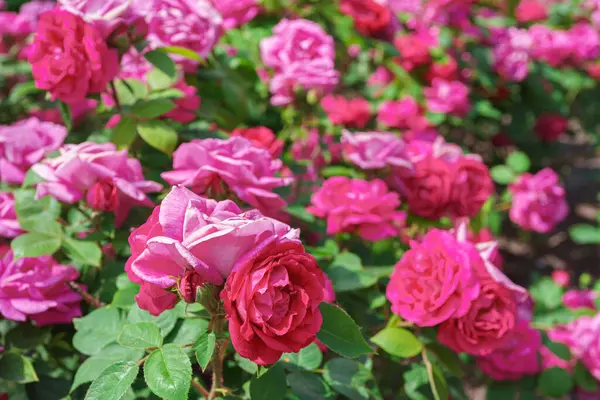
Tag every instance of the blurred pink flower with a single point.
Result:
(105, 14)
(574, 299)
(186, 106)
(261, 136)
(96, 167)
(9, 225)
(36, 289)
(248, 171)
(374, 150)
(531, 11)
(539, 202)
(511, 53)
(561, 278)
(366, 207)
(25, 143)
(379, 80)
(405, 113)
(236, 12)
(354, 113)
(447, 97)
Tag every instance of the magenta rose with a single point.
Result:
(574, 299)
(435, 280)
(36, 289)
(471, 188)
(402, 114)
(366, 207)
(70, 58)
(347, 112)
(246, 170)
(519, 357)
(24, 143)
(9, 225)
(370, 17)
(591, 357)
(374, 150)
(447, 97)
(487, 325)
(236, 12)
(105, 176)
(539, 202)
(271, 299)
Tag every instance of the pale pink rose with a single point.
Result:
(190, 233)
(518, 357)
(405, 113)
(577, 335)
(70, 58)
(95, 171)
(246, 170)
(434, 280)
(9, 225)
(355, 205)
(374, 150)
(105, 14)
(36, 289)
(24, 143)
(539, 201)
(236, 12)
(192, 24)
(574, 299)
(447, 97)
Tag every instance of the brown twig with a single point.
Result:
(200, 389)
(88, 298)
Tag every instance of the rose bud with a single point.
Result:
(188, 286)
(103, 196)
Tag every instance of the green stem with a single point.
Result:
(218, 326)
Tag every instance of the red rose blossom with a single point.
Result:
(103, 196)
(271, 298)
(370, 18)
(188, 286)
(429, 189)
(549, 127)
(262, 137)
(471, 188)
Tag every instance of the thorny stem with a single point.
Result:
(88, 298)
(218, 325)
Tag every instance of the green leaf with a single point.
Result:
(204, 347)
(65, 113)
(502, 174)
(159, 135)
(347, 273)
(398, 342)
(559, 349)
(555, 382)
(245, 364)
(158, 80)
(26, 336)
(83, 251)
(340, 333)
(16, 368)
(22, 90)
(437, 382)
(446, 358)
(270, 386)
(308, 358)
(113, 382)
(37, 215)
(93, 366)
(32, 179)
(299, 211)
(308, 386)
(584, 379)
(168, 372)
(166, 320)
(163, 62)
(187, 331)
(34, 245)
(96, 330)
(585, 234)
(184, 52)
(124, 133)
(339, 170)
(347, 377)
(347, 260)
(546, 293)
(519, 162)
(149, 109)
(130, 91)
(140, 335)
(501, 391)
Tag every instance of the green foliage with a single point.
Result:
(113, 382)
(159, 135)
(16, 368)
(141, 335)
(204, 348)
(168, 372)
(555, 382)
(269, 386)
(309, 358)
(398, 342)
(340, 333)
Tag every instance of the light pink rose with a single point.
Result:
(591, 357)
(236, 12)
(519, 356)
(434, 280)
(539, 201)
(36, 289)
(105, 14)
(9, 225)
(98, 168)
(24, 143)
(190, 233)
(448, 97)
(366, 207)
(402, 114)
(70, 58)
(246, 170)
(577, 335)
(374, 150)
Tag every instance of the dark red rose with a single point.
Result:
(447, 70)
(261, 136)
(103, 196)
(428, 189)
(471, 187)
(549, 127)
(188, 286)
(272, 299)
(370, 18)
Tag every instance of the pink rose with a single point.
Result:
(414, 49)
(549, 127)
(485, 236)
(577, 335)
(69, 57)
(539, 201)
(561, 278)
(271, 298)
(371, 18)
(263, 137)
(236, 12)
(247, 171)
(434, 280)
(9, 225)
(447, 70)
(356, 205)
(36, 289)
(472, 186)
(402, 114)
(517, 358)
(379, 80)
(193, 24)
(105, 14)
(318, 75)
(447, 97)
(374, 150)
(530, 11)
(487, 325)
(512, 53)
(186, 107)
(25, 143)
(591, 358)
(96, 170)
(190, 233)
(354, 113)
(574, 299)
